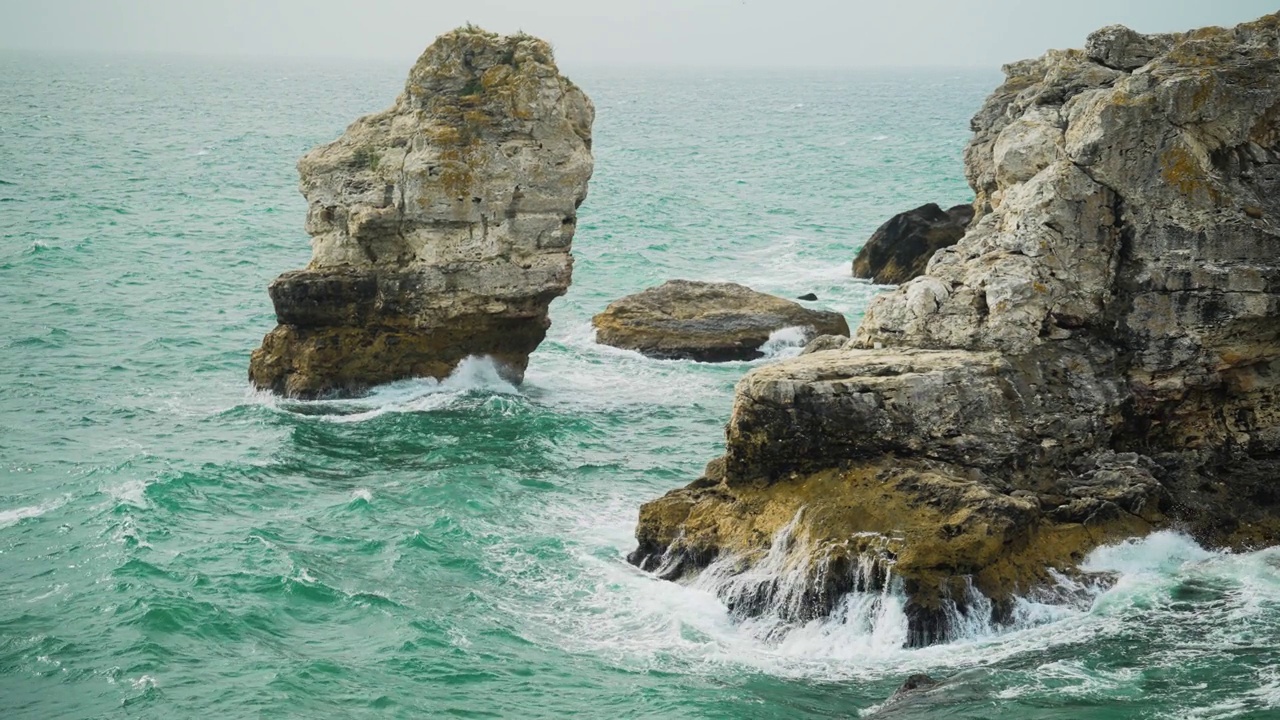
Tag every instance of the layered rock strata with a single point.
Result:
(441, 226)
(1097, 358)
(900, 249)
(709, 322)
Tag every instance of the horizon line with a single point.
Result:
(389, 59)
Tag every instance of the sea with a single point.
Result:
(174, 544)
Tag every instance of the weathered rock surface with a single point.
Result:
(441, 227)
(825, 342)
(710, 322)
(900, 249)
(1098, 357)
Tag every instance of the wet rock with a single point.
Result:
(1098, 357)
(808, 297)
(709, 322)
(919, 681)
(441, 227)
(901, 248)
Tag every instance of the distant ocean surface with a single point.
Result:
(174, 545)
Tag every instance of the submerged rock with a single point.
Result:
(709, 322)
(441, 227)
(919, 681)
(900, 249)
(1097, 358)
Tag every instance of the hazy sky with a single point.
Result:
(611, 32)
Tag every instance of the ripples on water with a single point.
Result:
(173, 544)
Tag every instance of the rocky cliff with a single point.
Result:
(1098, 357)
(441, 227)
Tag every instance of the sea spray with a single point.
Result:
(474, 375)
(785, 343)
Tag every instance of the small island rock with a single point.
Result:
(709, 322)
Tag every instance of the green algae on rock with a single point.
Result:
(441, 227)
(1097, 358)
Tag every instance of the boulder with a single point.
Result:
(825, 342)
(1097, 358)
(708, 322)
(900, 249)
(441, 227)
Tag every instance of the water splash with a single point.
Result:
(473, 376)
(785, 343)
(795, 597)
(797, 594)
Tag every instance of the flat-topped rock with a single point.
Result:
(441, 227)
(709, 322)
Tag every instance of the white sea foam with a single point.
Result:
(131, 492)
(1158, 554)
(144, 682)
(581, 374)
(785, 343)
(473, 375)
(16, 515)
(639, 620)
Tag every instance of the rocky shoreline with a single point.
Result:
(1091, 353)
(1097, 358)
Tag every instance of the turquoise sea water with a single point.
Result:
(174, 545)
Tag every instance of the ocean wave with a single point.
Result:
(473, 376)
(641, 622)
(16, 515)
(785, 343)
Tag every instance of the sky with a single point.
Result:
(615, 33)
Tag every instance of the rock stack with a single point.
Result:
(441, 227)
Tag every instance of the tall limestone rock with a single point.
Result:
(441, 227)
(1097, 358)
